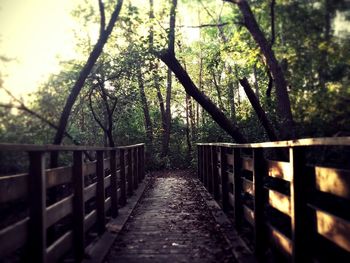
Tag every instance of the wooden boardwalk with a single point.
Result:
(171, 223)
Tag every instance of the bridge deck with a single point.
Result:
(171, 223)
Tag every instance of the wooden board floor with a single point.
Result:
(171, 223)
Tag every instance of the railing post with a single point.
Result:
(237, 187)
(78, 206)
(259, 172)
(135, 168)
(122, 177)
(210, 170)
(215, 179)
(224, 179)
(37, 207)
(139, 163)
(130, 172)
(100, 193)
(300, 214)
(199, 172)
(143, 162)
(114, 187)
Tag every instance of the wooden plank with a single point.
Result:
(78, 205)
(237, 188)
(279, 201)
(215, 177)
(248, 215)
(13, 187)
(90, 220)
(230, 159)
(107, 163)
(230, 177)
(90, 192)
(259, 195)
(247, 164)
(334, 229)
(224, 179)
(231, 199)
(114, 188)
(333, 181)
(58, 176)
(37, 207)
(130, 172)
(108, 204)
(247, 186)
(13, 237)
(122, 197)
(278, 169)
(59, 247)
(59, 210)
(281, 241)
(100, 193)
(302, 222)
(89, 168)
(107, 181)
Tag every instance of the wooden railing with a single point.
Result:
(92, 191)
(290, 210)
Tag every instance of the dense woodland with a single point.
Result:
(258, 71)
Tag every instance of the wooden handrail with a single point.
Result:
(52, 147)
(298, 210)
(327, 141)
(110, 171)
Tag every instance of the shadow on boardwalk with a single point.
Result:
(171, 223)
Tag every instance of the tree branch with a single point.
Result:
(102, 17)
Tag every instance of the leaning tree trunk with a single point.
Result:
(283, 102)
(96, 52)
(171, 48)
(191, 89)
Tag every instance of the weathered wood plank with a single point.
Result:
(59, 210)
(90, 219)
(231, 199)
(90, 191)
(78, 205)
(281, 241)
(37, 207)
(333, 228)
(13, 187)
(230, 159)
(247, 186)
(279, 201)
(13, 237)
(278, 169)
(89, 168)
(59, 247)
(333, 181)
(247, 164)
(100, 192)
(248, 215)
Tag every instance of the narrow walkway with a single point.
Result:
(171, 223)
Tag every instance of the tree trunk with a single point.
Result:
(144, 104)
(171, 49)
(283, 102)
(188, 134)
(105, 33)
(259, 110)
(191, 89)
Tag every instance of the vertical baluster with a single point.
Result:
(37, 207)
(139, 163)
(78, 205)
(199, 172)
(122, 177)
(237, 187)
(215, 176)
(114, 187)
(135, 168)
(100, 193)
(210, 170)
(224, 179)
(259, 172)
(301, 217)
(130, 172)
